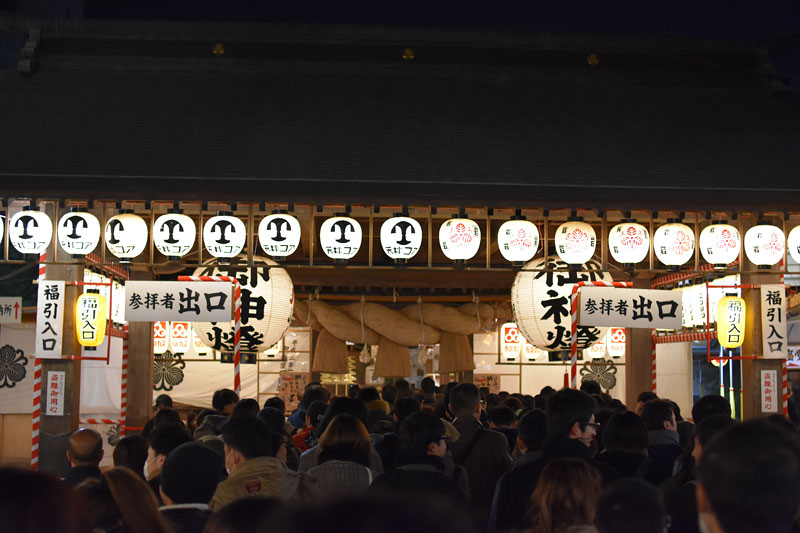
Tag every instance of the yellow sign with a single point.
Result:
(731, 312)
(90, 317)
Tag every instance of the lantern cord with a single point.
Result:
(308, 320)
(363, 299)
(477, 300)
(421, 323)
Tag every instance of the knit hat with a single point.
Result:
(191, 473)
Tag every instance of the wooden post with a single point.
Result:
(140, 368)
(638, 357)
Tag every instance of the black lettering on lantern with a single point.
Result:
(171, 225)
(112, 228)
(278, 222)
(223, 226)
(75, 220)
(404, 226)
(25, 220)
(342, 225)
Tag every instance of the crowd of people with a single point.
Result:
(455, 459)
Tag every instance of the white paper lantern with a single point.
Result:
(674, 244)
(30, 232)
(792, 242)
(575, 242)
(720, 244)
(764, 245)
(401, 238)
(267, 306)
(340, 237)
(541, 303)
(224, 235)
(78, 233)
(597, 350)
(174, 235)
(279, 234)
(460, 239)
(615, 342)
(160, 336)
(629, 243)
(518, 240)
(126, 235)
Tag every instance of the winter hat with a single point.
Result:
(191, 473)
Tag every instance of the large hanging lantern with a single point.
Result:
(224, 235)
(596, 350)
(174, 235)
(731, 311)
(674, 244)
(401, 238)
(78, 233)
(30, 231)
(126, 235)
(575, 242)
(180, 337)
(518, 240)
(793, 243)
(460, 239)
(629, 243)
(160, 336)
(764, 245)
(279, 235)
(267, 307)
(541, 303)
(720, 244)
(90, 318)
(615, 342)
(340, 237)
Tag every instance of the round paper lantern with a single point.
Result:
(792, 242)
(615, 342)
(674, 244)
(30, 231)
(160, 336)
(340, 237)
(720, 244)
(174, 235)
(90, 318)
(126, 235)
(629, 243)
(541, 303)
(460, 239)
(764, 245)
(731, 311)
(279, 235)
(518, 240)
(224, 235)
(267, 307)
(401, 238)
(597, 350)
(575, 242)
(78, 233)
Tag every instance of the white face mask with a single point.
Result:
(702, 524)
(146, 468)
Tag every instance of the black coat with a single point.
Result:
(77, 474)
(422, 477)
(187, 519)
(630, 464)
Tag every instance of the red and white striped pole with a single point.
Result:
(785, 380)
(123, 402)
(654, 363)
(37, 388)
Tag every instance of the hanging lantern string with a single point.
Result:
(421, 323)
(363, 299)
(308, 320)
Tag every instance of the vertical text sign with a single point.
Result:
(49, 319)
(769, 391)
(773, 321)
(55, 394)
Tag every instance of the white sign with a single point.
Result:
(770, 391)
(632, 308)
(49, 319)
(146, 301)
(512, 344)
(179, 337)
(160, 336)
(10, 309)
(773, 322)
(54, 402)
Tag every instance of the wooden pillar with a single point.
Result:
(140, 368)
(751, 369)
(638, 357)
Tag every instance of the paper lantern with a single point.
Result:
(200, 348)
(126, 235)
(401, 238)
(340, 237)
(513, 346)
(792, 242)
(674, 244)
(459, 239)
(224, 235)
(575, 242)
(279, 234)
(629, 243)
(518, 240)
(160, 336)
(731, 311)
(541, 303)
(596, 350)
(180, 337)
(78, 233)
(30, 232)
(615, 342)
(720, 244)
(764, 245)
(174, 235)
(267, 307)
(91, 318)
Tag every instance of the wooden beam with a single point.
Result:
(423, 279)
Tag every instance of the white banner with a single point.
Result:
(770, 391)
(49, 320)
(10, 309)
(632, 308)
(773, 322)
(187, 301)
(54, 399)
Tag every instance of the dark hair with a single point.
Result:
(515, 404)
(163, 400)
(164, 439)
(501, 416)
(630, 506)
(402, 385)
(749, 473)
(712, 426)
(464, 398)
(341, 405)
(676, 409)
(346, 432)
(204, 413)
(590, 386)
(38, 503)
(223, 397)
(389, 393)
(428, 385)
(273, 418)
(167, 417)
(646, 396)
(565, 495)
(246, 406)
(655, 413)
(625, 432)
(191, 473)
(276, 402)
(532, 429)
(249, 435)
(404, 407)
(417, 431)
(131, 452)
(368, 394)
(710, 404)
(315, 412)
(245, 515)
(314, 393)
(566, 407)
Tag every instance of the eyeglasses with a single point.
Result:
(593, 425)
(444, 438)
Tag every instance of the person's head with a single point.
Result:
(163, 401)
(531, 430)
(167, 416)
(710, 427)
(35, 502)
(204, 413)
(565, 495)
(315, 393)
(245, 437)
(570, 414)
(131, 452)
(625, 432)
(245, 406)
(501, 417)
(346, 432)
(630, 506)
(590, 386)
(315, 412)
(190, 474)
(428, 385)
(403, 386)
(224, 401)
(245, 515)
(747, 479)
(191, 421)
(404, 407)
(163, 440)
(341, 405)
(276, 402)
(85, 448)
(676, 409)
(422, 434)
(642, 399)
(710, 404)
(273, 418)
(465, 400)
(658, 414)
(513, 403)
(368, 394)
(389, 393)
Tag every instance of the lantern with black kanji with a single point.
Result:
(340, 237)
(174, 234)
(126, 235)
(279, 235)
(459, 239)
(401, 238)
(731, 313)
(78, 232)
(518, 240)
(764, 245)
(30, 231)
(673, 244)
(575, 242)
(720, 244)
(224, 235)
(629, 243)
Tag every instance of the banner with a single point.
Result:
(771, 391)
(631, 308)
(49, 320)
(186, 301)
(773, 322)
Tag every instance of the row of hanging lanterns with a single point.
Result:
(225, 236)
